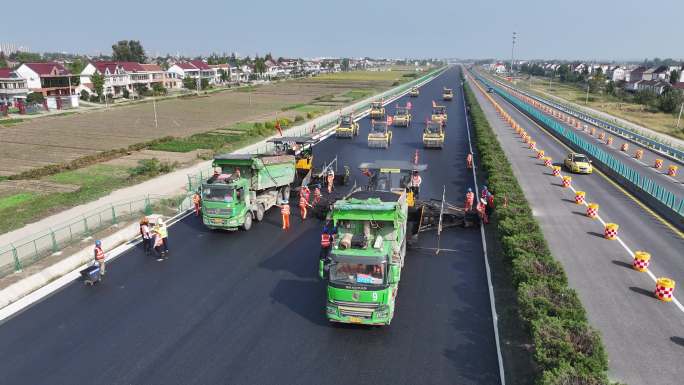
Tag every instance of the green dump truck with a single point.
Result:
(365, 262)
(244, 187)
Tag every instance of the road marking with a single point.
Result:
(618, 238)
(490, 286)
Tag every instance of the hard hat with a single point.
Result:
(484, 187)
(98, 243)
(470, 190)
(484, 202)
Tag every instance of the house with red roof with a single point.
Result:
(121, 77)
(50, 79)
(192, 69)
(12, 88)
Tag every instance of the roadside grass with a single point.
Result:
(14, 200)
(636, 113)
(94, 181)
(361, 76)
(545, 332)
(9, 122)
(358, 94)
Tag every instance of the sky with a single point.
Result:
(551, 29)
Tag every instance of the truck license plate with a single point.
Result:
(217, 221)
(355, 320)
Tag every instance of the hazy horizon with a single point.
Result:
(587, 30)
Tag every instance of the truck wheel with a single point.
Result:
(248, 222)
(259, 213)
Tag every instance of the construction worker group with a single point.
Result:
(484, 206)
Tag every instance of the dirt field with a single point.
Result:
(51, 140)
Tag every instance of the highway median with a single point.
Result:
(565, 348)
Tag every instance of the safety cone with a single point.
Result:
(664, 290)
(611, 231)
(672, 170)
(641, 261)
(592, 210)
(579, 197)
(658, 164)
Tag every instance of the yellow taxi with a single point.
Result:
(578, 163)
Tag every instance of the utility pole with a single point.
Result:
(154, 105)
(680, 114)
(587, 101)
(199, 80)
(512, 50)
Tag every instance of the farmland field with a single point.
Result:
(54, 140)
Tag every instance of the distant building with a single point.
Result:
(617, 74)
(52, 80)
(192, 69)
(12, 87)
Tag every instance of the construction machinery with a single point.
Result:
(402, 116)
(433, 135)
(380, 135)
(447, 94)
(299, 147)
(439, 114)
(375, 224)
(414, 92)
(347, 127)
(377, 110)
(244, 187)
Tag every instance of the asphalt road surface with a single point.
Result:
(248, 307)
(644, 337)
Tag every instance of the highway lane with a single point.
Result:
(642, 336)
(645, 166)
(247, 307)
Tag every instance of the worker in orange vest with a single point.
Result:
(326, 243)
(303, 204)
(482, 210)
(469, 199)
(307, 193)
(317, 195)
(100, 256)
(469, 160)
(196, 202)
(285, 212)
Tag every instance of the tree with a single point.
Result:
(3, 60)
(670, 100)
(126, 93)
(128, 50)
(674, 77)
(597, 81)
(141, 89)
(224, 75)
(84, 95)
(345, 64)
(189, 83)
(35, 97)
(259, 65)
(158, 89)
(98, 83)
(76, 66)
(26, 57)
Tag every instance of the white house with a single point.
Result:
(12, 88)
(618, 74)
(192, 69)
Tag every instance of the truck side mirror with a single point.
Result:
(394, 274)
(321, 268)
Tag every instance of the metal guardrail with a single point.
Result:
(646, 184)
(21, 254)
(676, 153)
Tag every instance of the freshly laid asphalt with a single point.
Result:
(644, 337)
(248, 307)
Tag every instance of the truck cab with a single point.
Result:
(415, 92)
(224, 203)
(364, 266)
(380, 136)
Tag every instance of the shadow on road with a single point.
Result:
(306, 298)
(677, 340)
(640, 290)
(623, 264)
(594, 233)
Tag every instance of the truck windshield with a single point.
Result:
(217, 193)
(376, 105)
(438, 111)
(346, 121)
(343, 272)
(402, 111)
(432, 128)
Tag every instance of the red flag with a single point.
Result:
(277, 126)
(409, 105)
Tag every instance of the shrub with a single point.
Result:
(35, 97)
(310, 115)
(94, 98)
(269, 125)
(569, 375)
(145, 167)
(547, 298)
(529, 267)
(299, 118)
(84, 95)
